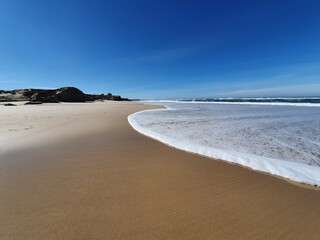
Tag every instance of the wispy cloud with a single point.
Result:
(15, 84)
(4, 79)
(174, 52)
(299, 79)
(10, 81)
(10, 84)
(295, 90)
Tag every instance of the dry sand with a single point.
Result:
(79, 171)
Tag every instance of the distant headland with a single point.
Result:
(64, 94)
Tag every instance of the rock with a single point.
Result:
(66, 94)
(33, 102)
(9, 104)
(118, 98)
(108, 97)
(45, 97)
(70, 94)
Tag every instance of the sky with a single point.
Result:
(162, 49)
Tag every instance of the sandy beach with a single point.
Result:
(79, 171)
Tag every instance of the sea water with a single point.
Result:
(280, 138)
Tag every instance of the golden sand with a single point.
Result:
(81, 172)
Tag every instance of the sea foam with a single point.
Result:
(282, 140)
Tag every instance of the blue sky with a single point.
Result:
(162, 49)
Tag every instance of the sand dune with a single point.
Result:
(79, 171)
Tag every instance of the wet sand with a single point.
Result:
(79, 171)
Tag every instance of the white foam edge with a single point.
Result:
(294, 171)
(235, 103)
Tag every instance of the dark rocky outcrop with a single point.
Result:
(71, 94)
(109, 97)
(45, 96)
(33, 103)
(9, 105)
(65, 94)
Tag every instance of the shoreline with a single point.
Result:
(278, 168)
(290, 181)
(107, 181)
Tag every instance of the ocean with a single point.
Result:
(280, 136)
